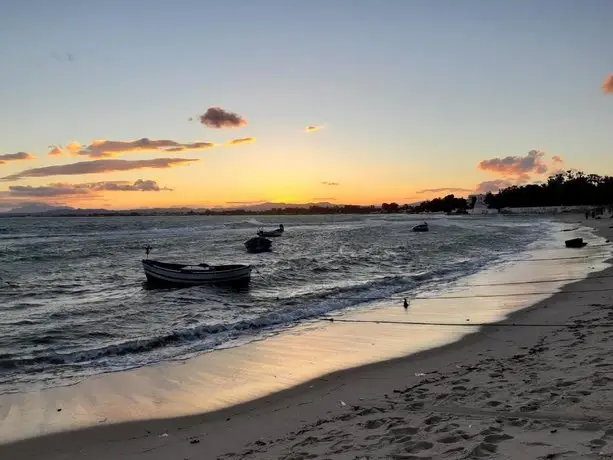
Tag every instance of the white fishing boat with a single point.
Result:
(187, 275)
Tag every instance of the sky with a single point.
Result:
(199, 103)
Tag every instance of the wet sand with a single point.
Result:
(503, 392)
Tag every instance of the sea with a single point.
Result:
(74, 301)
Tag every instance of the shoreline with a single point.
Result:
(321, 397)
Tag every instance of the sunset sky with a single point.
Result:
(128, 104)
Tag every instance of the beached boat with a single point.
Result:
(272, 233)
(258, 244)
(575, 243)
(421, 228)
(186, 275)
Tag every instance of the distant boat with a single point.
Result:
(272, 233)
(421, 228)
(189, 275)
(575, 243)
(258, 244)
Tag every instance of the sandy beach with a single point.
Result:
(541, 390)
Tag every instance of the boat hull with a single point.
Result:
(170, 274)
(273, 233)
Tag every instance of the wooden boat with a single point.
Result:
(189, 275)
(258, 244)
(421, 228)
(272, 233)
(575, 243)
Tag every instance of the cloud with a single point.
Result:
(56, 150)
(15, 157)
(493, 185)
(556, 159)
(313, 128)
(107, 149)
(85, 189)
(98, 166)
(47, 190)
(330, 184)
(607, 86)
(516, 166)
(241, 140)
(444, 189)
(218, 118)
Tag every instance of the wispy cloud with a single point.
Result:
(98, 166)
(47, 190)
(313, 128)
(241, 140)
(61, 189)
(108, 149)
(556, 159)
(218, 118)
(330, 184)
(607, 86)
(15, 157)
(515, 166)
(444, 189)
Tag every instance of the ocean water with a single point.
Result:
(74, 300)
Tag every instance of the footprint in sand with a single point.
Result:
(450, 439)
(447, 428)
(597, 443)
(484, 450)
(373, 424)
(403, 431)
(491, 430)
(417, 446)
(496, 438)
(433, 420)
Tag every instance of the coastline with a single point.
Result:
(303, 407)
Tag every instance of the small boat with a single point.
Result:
(421, 227)
(189, 275)
(278, 232)
(258, 244)
(575, 243)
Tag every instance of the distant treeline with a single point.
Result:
(570, 188)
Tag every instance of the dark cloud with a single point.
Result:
(444, 189)
(85, 189)
(607, 86)
(330, 184)
(98, 166)
(15, 157)
(493, 185)
(512, 166)
(218, 118)
(47, 190)
(106, 148)
(242, 140)
(313, 128)
(556, 159)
